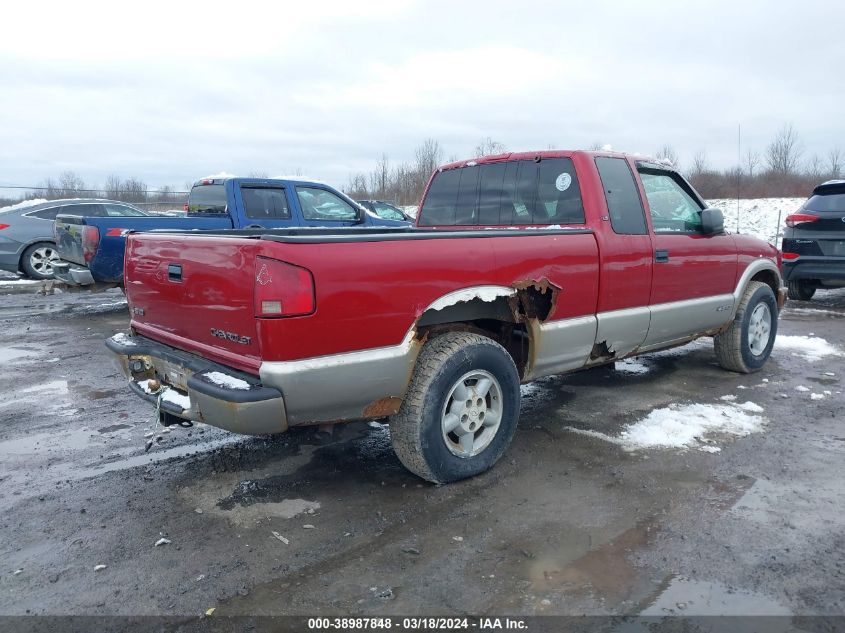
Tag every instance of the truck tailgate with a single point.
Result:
(195, 294)
(68, 231)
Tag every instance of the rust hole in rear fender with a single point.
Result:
(534, 299)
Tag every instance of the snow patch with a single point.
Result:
(23, 205)
(817, 396)
(174, 397)
(811, 348)
(802, 388)
(685, 426)
(632, 366)
(225, 380)
(123, 339)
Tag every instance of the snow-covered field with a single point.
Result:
(761, 217)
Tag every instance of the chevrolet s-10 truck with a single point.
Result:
(92, 248)
(519, 266)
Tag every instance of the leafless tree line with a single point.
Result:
(781, 170)
(69, 184)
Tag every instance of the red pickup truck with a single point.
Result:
(520, 266)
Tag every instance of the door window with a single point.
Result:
(387, 211)
(319, 204)
(672, 207)
(265, 203)
(623, 199)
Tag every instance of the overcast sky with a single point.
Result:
(169, 92)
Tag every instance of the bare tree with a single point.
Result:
(428, 156)
(258, 173)
(699, 164)
(834, 162)
(489, 147)
(752, 159)
(382, 176)
(113, 187)
(595, 147)
(70, 185)
(815, 167)
(783, 154)
(668, 155)
(133, 190)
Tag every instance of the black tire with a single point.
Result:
(732, 346)
(800, 290)
(36, 267)
(417, 429)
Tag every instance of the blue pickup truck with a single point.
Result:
(91, 248)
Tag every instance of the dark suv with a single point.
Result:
(814, 242)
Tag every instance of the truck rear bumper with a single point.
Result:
(72, 274)
(193, 388)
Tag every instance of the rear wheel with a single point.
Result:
(800, 290)
(461, 409)
(747, 344)
(37, 260)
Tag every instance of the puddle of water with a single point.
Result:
(697, 597)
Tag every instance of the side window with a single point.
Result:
(45, 214)
(672, 208)
(121, 210)
(265, 203)
(387, 211)
(623, 199)
(85, 210)
(319, 204)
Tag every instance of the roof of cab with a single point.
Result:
(549, 153)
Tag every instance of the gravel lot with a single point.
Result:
(567, 523)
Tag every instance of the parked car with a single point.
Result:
(386, 210)
(519, 267)
(27, 243)
(814, 242)
(91, 248)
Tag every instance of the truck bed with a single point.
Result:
(370, 285)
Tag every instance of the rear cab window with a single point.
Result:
(505, 193)
(263, 202)
(207, 198)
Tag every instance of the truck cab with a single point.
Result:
(91, 249)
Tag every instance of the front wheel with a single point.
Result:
(800, 290)
(747, 344)
(38, 259)
(461, 409)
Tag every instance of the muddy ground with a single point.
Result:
(566, 523)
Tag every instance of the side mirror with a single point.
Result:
(712, 221)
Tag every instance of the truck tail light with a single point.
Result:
(282, 289)
(90, 242)
(4, 226)
(790, 256)
(800, 218)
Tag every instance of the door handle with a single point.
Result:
(174, 272)
(661, 256)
